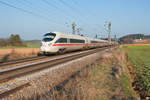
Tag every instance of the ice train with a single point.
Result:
(57, 42)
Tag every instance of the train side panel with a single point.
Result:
(67, 42)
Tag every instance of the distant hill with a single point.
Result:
(147, 36)
(134, 38)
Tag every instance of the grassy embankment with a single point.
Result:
(140, 59)
(108, 79)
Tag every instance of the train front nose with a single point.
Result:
(46, 43)
(45, 46)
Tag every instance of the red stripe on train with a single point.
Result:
(70, 44)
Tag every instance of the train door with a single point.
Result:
(86, 42)
(68, 42)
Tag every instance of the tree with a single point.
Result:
(15, 40)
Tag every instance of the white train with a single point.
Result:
(56, 42)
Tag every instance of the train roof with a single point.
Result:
(77, 36)
(95, 39)
(69, 35)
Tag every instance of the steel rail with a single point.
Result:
(7, 63)
(34, 67)
(20, 60)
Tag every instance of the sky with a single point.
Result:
(31, 19)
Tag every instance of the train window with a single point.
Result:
(76, 41)
(61, 40)
(49, 37)
(50, 34)
(94, 41)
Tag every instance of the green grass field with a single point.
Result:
(33, 46)
(28, 46)
(140, 58)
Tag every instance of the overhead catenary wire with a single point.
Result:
(50, 4)
(26, 11)
(60, 10)
(70, 7)
(27, 1)
(76, 14)
(75, 2)
(38, 9)
(75, 10)
(66, 4)
(69, 16)
(89, 11)
(31, 5)
(92, 14)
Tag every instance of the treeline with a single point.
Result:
(129, 39)
(13, 40)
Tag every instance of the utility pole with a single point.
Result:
(115, 39)
(96, 36)
(79, 30)
(73, 27)
(109, 32)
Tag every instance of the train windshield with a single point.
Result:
(49, 37)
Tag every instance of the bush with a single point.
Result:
(14, 40)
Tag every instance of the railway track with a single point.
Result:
(20, 60)
(16, 72)
(13, 63)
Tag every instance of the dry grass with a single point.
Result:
(12, 54)
(106, 79)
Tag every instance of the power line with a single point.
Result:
(26, 11)
(29, 12)
(92, 14)
(45, 1)
(54, 6)
(66, 4)
(50, 4)
(74, 10)
(75, 2)
(61, 10)
(37, 8)
(27, 1)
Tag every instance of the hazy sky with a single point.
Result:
(32, 18)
